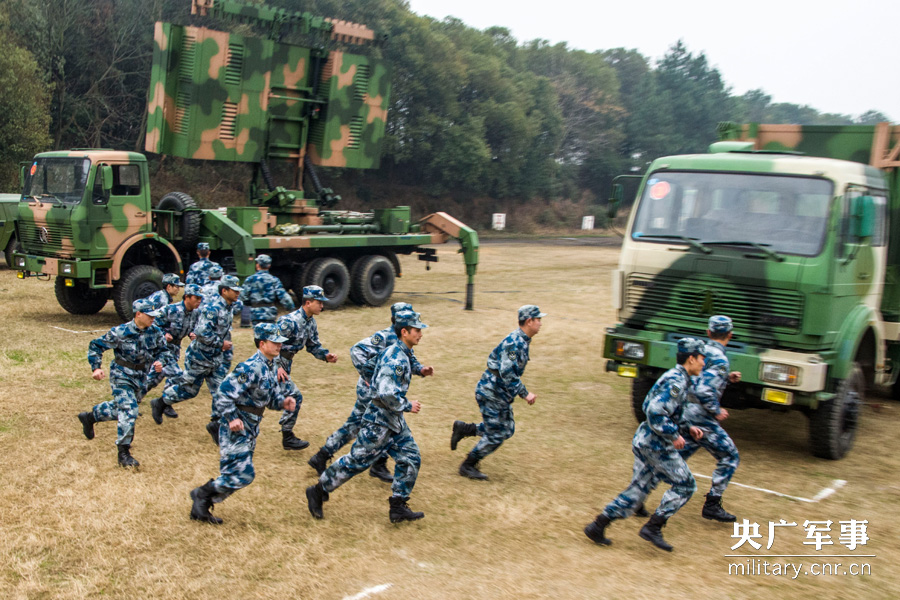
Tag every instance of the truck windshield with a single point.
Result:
(782, 214)
(57, 180)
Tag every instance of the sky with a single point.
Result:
(834, 57)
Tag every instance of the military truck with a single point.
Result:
(9, 206)
(86, 218)
(787, 230)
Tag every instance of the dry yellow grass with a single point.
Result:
(74, 525)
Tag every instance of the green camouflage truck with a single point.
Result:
(86, 220)
(787, 230)
(9, 209)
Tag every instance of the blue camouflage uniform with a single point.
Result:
(204, 358)
(199, 271)
(211, 291)
(244, 393)
(261, 291)
(702, 411)
(178, 322)
(655, 456)
(300, 331)
(135, 350)
(384, 427)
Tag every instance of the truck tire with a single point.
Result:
(833, 425)
(11, 247)
(137, 282)
(190, 221)
(79, 299)
(331, 275)
(640, 387)
(372, 280)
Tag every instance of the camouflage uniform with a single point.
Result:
(178, 322)
(204, 358)
(161, 297)
(384, 428)
(135, 349)
(199, 271)
(262, 290)
(300, 330)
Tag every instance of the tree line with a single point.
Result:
(473, 112)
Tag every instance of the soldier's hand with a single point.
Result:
(426, 371)
(696, 433)
(282, 375)
(678, 443)
(416, 406)
(331, 357)
(169, 337)
(97, 374)
(530, 398)
(227, 345)
(723, 414)
(236, 426)
(290, 403)
(192, 335)
(157, 366)
(734, 376)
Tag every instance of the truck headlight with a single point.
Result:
(67, 269)
(20, 261)
(780, 374)
(632, 350)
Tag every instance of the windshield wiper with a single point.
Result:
(692, 241)
(761, 247)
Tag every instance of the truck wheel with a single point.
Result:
(833, 425)
(640, 387)
(372, 280)
(331, 275)
(11, 247)
(138, 282)
(190, 221)
(79, 299)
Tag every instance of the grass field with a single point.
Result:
(74, 525)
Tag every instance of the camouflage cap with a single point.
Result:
(215, 272)
(231, 282)
(146, 306)
(720, 324)
(172, 279)
(192, 289)
(269, 332)
(264, 260)
(530, 311)
(398, 306)
(314, 292)
(202, 246)
(690, 345)
(408, 318)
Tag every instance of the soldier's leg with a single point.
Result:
(671, 468)
(126, 396)
(405, 452)
(642, 483)
(236, 469)
(346, 432)
(187, 385)
(214, 379)
(370, 443)
(718, 443)
(497, 427)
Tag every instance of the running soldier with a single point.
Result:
(299, 327)
(497, 390)
(242, 398)
(262, 290)
(384, 428)
(199, 271)
(137, 345)
(204, 358)
(364, 355)
(655, 447)
(171, 285)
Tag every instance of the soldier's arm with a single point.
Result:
(709, 386)
(360, 354)
(205, 329)
(389, 387)
(230, 390)
(509, 369)
(415, 365)
(100, 345)
(283, 296)
(314, 346)
(660, 409)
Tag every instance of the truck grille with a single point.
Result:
(693, 300)
(47, 239)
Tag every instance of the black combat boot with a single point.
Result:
(157, 408)
(400, 510)
(291, 442)
(319, 461)
(640, 511)
(212, 428)
(652, 532)
(380, 471)
(462, 430)
(170, 412)
(712, 510)
(469, 468)
(125, 458)
(202, 497)
(87, 423)
(315, 496)
(595, 529)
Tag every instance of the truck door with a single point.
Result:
(120, 212)
(860, 267)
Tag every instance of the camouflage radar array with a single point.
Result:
(308, 92)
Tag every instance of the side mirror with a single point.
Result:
(106, 177)
(22, 177)
(862, 217)
(612, 207)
